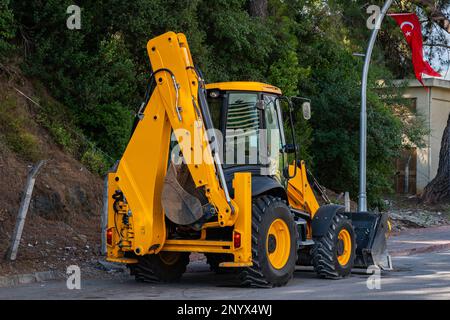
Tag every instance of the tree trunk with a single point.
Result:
(258, 8)
(438, 189)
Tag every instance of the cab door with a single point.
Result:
(274, 138)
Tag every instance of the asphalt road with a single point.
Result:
(422, 276)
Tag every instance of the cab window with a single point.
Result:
(242, 129)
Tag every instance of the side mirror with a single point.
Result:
(306, 109)
(290, 148)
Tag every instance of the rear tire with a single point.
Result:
(333, 254)
(274, 244)
(161, 267)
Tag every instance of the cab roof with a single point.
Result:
(244, 86)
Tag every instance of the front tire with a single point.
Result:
(333, 254)
(274, 244)
(161, 267)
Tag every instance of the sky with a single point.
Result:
(445, 67)
(436, 64)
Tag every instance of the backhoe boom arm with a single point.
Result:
(173, 107)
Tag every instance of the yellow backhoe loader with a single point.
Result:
(206, 171)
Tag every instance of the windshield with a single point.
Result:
(250, 129)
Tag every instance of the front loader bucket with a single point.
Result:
(371, 240)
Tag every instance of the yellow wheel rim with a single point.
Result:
(389, 229)
(169, 258)
(278, 244)
(346, 241)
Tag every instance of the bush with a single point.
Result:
(63, 137)
(13, 129)
(56, 120)
(95, 161)
(25, 144)
(109, 125)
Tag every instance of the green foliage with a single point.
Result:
(303, 46)
(7, 28)
(334, 95)
(61, 135)
(239, 46)
(88, 70)
(59, 122)
(95, 161)
(14, 132)
(334, 87)
(109, 125)
(105, 116)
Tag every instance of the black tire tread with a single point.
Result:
(253, 276)
(151, 269)
(322, 252)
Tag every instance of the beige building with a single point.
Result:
(418, 167)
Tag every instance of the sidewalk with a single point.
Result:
(415, 241)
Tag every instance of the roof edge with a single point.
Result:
(429, 82)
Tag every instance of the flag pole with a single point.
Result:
(362, 198)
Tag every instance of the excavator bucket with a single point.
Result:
(371, 230)
(180, 205)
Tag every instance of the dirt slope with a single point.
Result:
(63, 223)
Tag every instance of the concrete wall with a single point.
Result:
(434, 106)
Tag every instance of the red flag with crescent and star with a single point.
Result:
(412, 30)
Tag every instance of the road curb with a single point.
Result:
(418, 250)
(11, 281)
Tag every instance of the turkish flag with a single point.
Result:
(412, 30)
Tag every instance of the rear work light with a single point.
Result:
(237, 239)
(109, 236)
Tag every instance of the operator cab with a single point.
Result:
(249, 123)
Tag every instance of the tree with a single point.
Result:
(258, 8)
(439, 188)
(433, 9)
(302, 46)
(7, 29)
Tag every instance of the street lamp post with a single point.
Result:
(362, 198)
